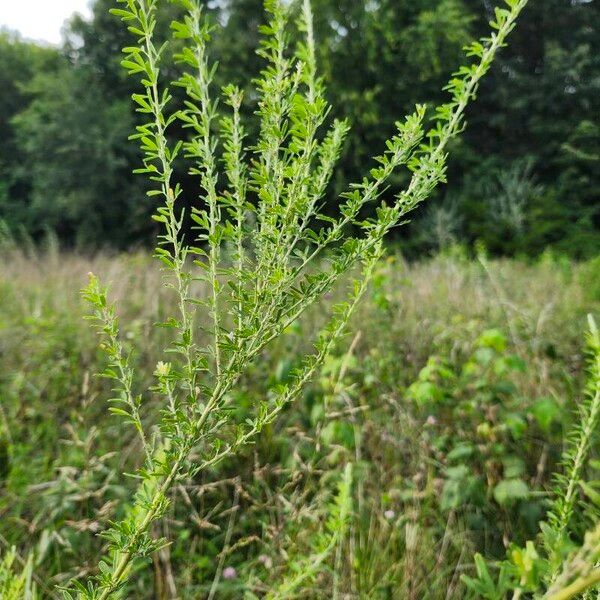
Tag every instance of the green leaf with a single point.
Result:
(494, 339)
(590, 492)
(546, 412)
(119, 411)
(509, 491)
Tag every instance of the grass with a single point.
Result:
(239, 528)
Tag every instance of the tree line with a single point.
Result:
(523, 178)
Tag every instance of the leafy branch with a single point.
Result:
(283, 259)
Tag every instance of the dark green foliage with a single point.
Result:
(545, 111)
(483, 435)
(72, 145)
(19, 62)
(67, 163)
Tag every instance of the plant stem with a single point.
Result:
(127, 556)
(579, 585)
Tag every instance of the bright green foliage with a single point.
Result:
(484, 585)
(563, 571)
(271, 279)
(16, 583)
(575, 459)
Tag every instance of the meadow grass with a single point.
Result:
(410, 535)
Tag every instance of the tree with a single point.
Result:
(19, 62)
(72, 142)
(543, 103)
(540, 106)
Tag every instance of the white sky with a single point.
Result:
(39, 20)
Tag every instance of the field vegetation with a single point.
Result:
(450, 395)
(279, 405)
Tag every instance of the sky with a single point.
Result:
(40, 20)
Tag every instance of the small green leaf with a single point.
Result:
(509, 491)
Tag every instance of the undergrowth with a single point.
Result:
(521, 355)
(263, 254)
